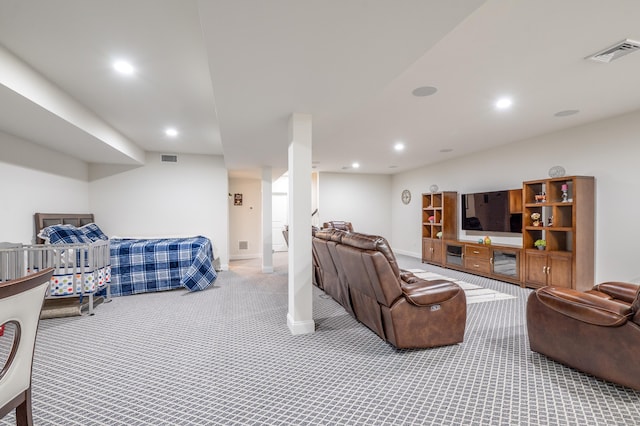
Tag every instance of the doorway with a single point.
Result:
(279, 218)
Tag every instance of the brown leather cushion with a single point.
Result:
(330, 234)
(626, 292)
(339, 224)
(585, 307)
(372, 242)
(425, 293)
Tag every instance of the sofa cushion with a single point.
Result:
(372, 242)
(626, 292)
(585, 307)
(425, 293)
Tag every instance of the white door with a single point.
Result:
(279, 218)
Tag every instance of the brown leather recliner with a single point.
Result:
(597, 332)
(402, 309)
(338, 224)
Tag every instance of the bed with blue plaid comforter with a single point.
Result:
(142, 266)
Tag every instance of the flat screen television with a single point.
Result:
(495, 211)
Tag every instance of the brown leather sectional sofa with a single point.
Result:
(597, 332)
(361, 273)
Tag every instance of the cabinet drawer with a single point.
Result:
(477, 252)
(476, 264)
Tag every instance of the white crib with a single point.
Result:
(80, 270)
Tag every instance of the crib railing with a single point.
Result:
(81, 266)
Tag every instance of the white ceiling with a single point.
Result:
(228, 74)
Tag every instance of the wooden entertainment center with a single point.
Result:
(566, 222)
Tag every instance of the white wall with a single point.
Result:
(245, 222)
(362, 199)
(37, 180)
(609, 150)
(164, 199)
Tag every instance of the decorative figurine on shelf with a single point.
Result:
(565, 195)
(431, 219)
(487, 240)
(550, 221)
(439, 234)
(535, 217)
(541, 198)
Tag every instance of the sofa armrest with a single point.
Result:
(409, 277)
(627, 292)
(585, 307)
(421, 292)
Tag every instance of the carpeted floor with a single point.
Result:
(225, 356)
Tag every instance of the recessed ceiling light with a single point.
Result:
(172, 132)
(446, 150)
(393, 167)
(399, 146)
(355, 165)
(504, 103)
(424, 91)
(124, 67)
(566, 112)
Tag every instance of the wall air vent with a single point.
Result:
(169, 158)
(616, 51)
(243, 245)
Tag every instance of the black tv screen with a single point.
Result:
(491, 212)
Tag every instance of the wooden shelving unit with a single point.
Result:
(439, 215)
(566, 207)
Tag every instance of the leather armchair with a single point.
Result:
(597, 332)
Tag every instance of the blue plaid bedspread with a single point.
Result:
(142, 266)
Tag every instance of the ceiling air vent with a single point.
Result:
(616, 51)
(169, 158)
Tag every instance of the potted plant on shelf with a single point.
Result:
(541, 244)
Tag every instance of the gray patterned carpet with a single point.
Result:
(226, 357)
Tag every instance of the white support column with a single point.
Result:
(300, 315)
(267, 221)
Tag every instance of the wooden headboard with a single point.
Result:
(42, 220)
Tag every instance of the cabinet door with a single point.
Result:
(536, 268)
(426, 251)
(559, 271)
(436, 245)
(431, 250)
(506, 263)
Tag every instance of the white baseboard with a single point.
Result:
(245, 256)
(409, 253)
(300, 327)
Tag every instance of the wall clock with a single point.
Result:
(406, 196)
